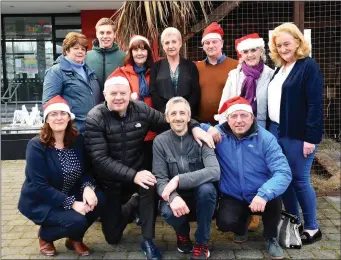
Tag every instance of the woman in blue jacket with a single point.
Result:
(58, 193)
(296, 113)
(72, 79)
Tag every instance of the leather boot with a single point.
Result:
(80, 248)
(254, 222)
(46, 248)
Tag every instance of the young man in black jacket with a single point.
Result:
(186, 175)
(115, 132)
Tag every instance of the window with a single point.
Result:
(30, 47)
(26, 28)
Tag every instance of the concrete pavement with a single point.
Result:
(19, 235)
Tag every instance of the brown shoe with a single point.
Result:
(80, 248)
(253, 222)
(47, 248)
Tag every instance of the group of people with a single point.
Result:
(122, 132)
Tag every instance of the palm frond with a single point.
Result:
(150, 18)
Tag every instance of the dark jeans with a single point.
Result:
(114, 221)
(61, 223)
(203, 202)
(148, 155)
(233, 216)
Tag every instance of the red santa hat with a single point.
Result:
(213, 31)
(57, 103)
(231, 105)
(248, 42)
(138, 38)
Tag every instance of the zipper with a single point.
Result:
(103, 67)
(123, 144)
(182, 161)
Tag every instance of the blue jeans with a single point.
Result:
(300, 192)
(204, 204)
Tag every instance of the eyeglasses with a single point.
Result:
(247, 51)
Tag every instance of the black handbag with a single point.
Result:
(288, 232)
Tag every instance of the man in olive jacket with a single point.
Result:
(186, 175)
(105, 55)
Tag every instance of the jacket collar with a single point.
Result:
(177, 137)
(66, 66)
(117, 115)
(296, 67)
(96, 47)
(130, 69)
(52, 152)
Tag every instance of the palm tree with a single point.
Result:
(150, 18)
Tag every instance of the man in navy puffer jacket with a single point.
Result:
(254, 174)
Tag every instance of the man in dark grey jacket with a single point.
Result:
(186, 175)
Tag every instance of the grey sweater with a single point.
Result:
(181, 155)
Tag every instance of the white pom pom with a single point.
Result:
(217, 117)
(134, 96)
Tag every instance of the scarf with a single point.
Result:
(143, 85)
(249, 85)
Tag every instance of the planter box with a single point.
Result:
(14, 140)
(13, 146)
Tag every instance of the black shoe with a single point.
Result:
(308, 239)
(150, 250)
(200, 251)
(185, 244)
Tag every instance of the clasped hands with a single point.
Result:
(89, 202)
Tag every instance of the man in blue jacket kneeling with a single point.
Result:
(254, 173)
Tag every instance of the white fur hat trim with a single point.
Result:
(58, 107)
(118, 80)
(249, 44)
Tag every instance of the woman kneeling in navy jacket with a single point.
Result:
(59, 193)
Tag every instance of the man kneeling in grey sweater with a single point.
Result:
(186, 174)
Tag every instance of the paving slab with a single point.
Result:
(19, 235)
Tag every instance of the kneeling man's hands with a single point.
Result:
(257, 204)
(170, 187)
(179, 207)
(144, 178)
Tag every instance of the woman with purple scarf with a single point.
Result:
(251, 78)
